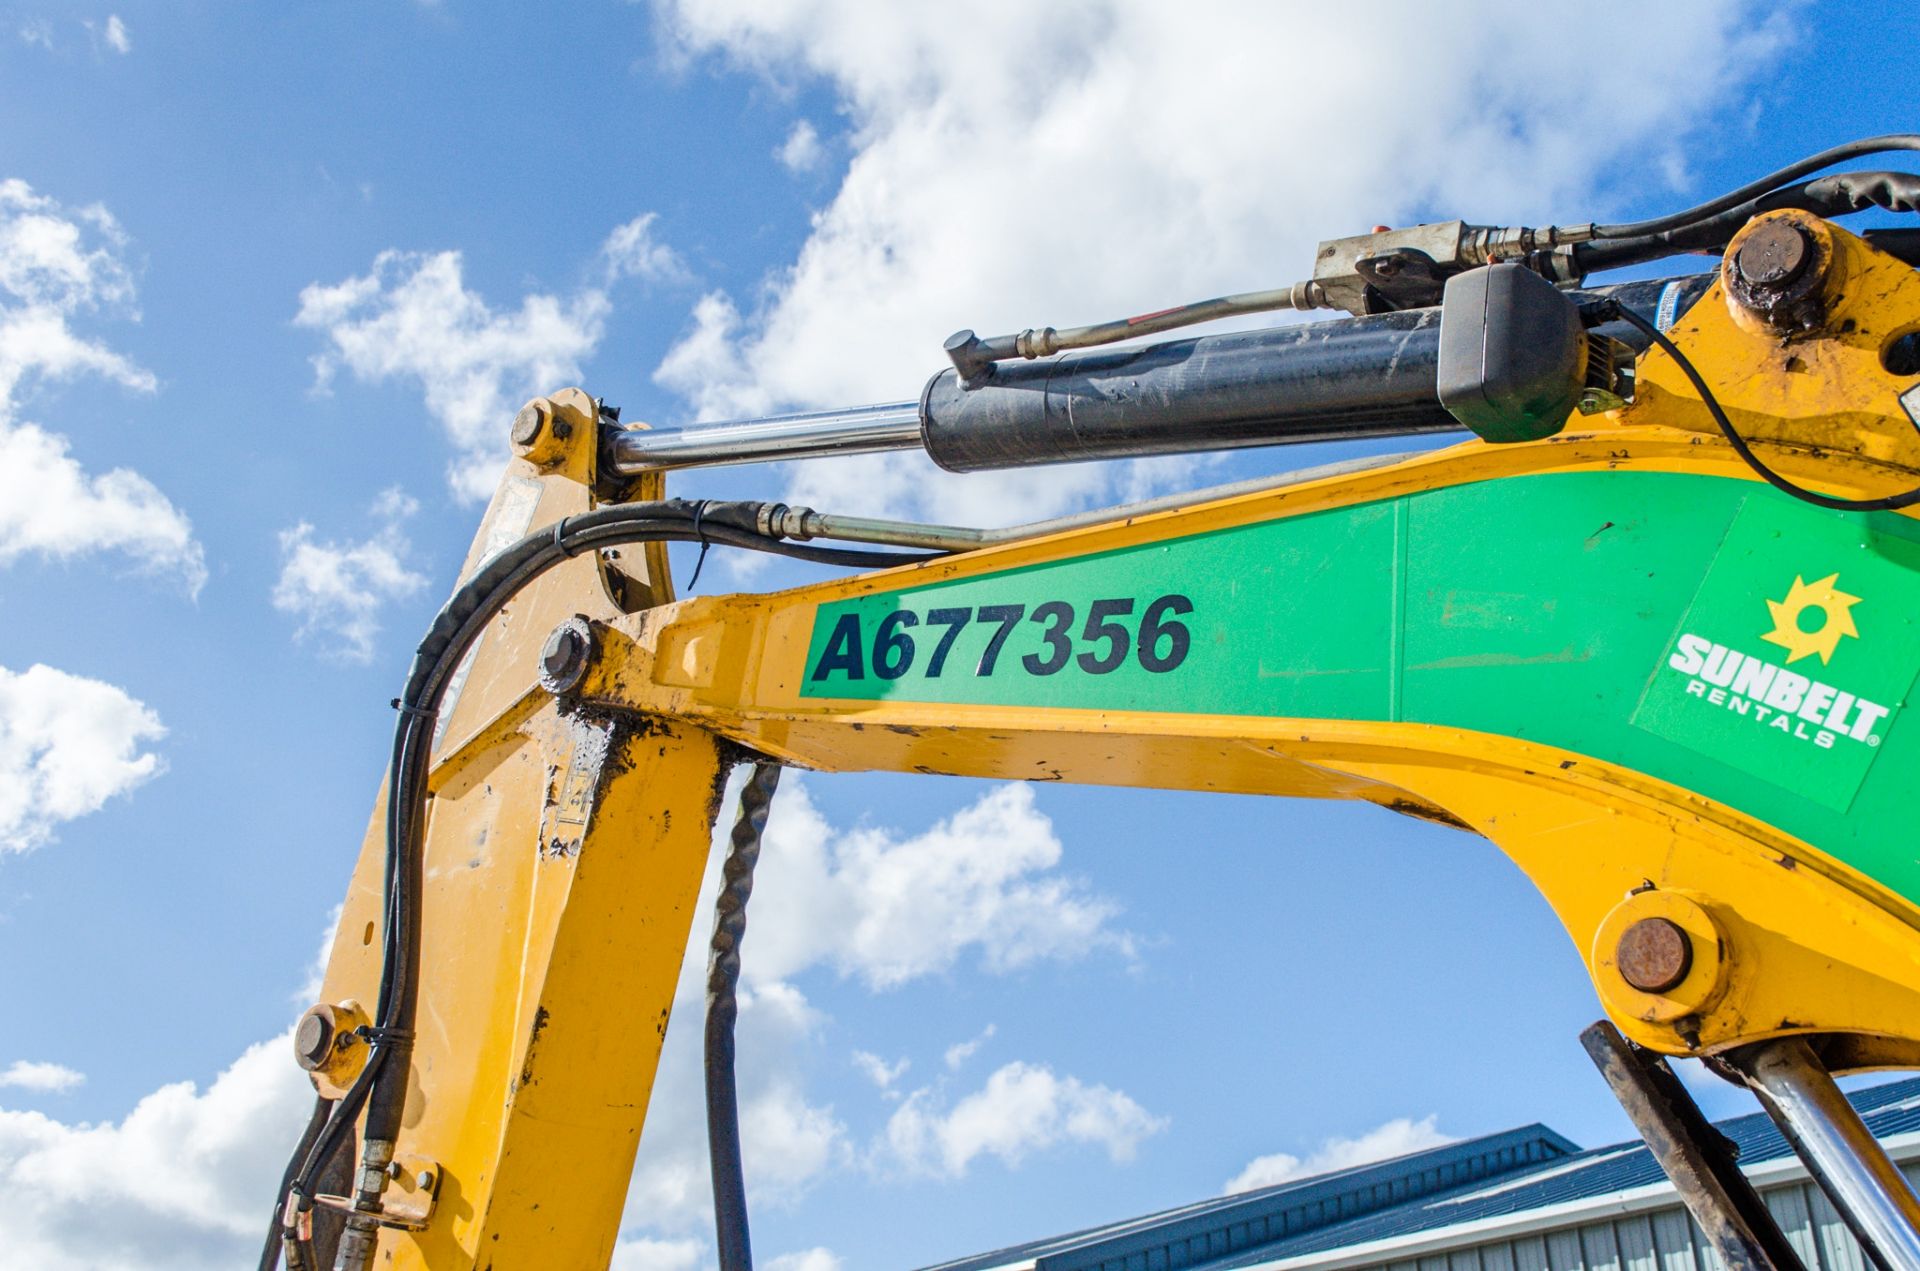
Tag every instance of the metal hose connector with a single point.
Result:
(358, 1243)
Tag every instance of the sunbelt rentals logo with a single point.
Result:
(1794, 659)
(1810, 621)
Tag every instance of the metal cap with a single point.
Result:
(1654, 955)
(529, 423)
(566, 655)
(313, 1038)
(1774, 254)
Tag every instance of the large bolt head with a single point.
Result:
(529, 424)
(1654, 955)
(313, 1038)
(1777, 274)
(1773, 255)
(564, 649)
(564, 659)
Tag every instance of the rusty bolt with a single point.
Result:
(563, 662)
(313, 1038)
(529, 423)
(1773, 255)
(1654, 955)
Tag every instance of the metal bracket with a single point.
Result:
(417, 1180)
(1697, 1157)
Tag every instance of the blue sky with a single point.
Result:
(274, 278)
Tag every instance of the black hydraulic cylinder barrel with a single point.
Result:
(1324, 381)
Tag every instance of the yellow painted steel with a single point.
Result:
(565, 846)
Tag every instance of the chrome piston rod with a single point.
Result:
(1864, 1184)
(819, 434)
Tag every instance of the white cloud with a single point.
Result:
(687, 1254)
(37, 31)
(52, 507)
(877, 1070)
(1120, 157)
(112, 33)
(1023, 1108)
(185, 1181)
(192, 1170)
(59, 259)
(787, 1142)
(827, 898)
(708, 367)
(337, 590)
(960, 1052)
(67, 745)
(45, 1078)
(1397, 1137)
(56, 265)
(815, 1259)
(412, 318)
(888, 909)
(631, 252)
(658, 1255)
(801, 151)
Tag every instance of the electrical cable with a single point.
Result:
(453, 632)
(1886, 144)
(1607, 309)
(731, 1238)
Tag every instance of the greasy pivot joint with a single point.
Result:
(1776, 272)
(1773, 255)
(568, 653)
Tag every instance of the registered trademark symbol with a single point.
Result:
(1873, 740)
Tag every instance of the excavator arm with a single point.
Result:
(1673, 695)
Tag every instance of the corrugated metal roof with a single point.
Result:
(1516, 1172)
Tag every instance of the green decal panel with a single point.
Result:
(1794, 655)
(1597, 612)
(1033, 637)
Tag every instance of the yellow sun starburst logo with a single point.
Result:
(1835, 604)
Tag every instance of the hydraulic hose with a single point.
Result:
(382, 1083)
(322, 1109)
(723, 1009)
(1837, 195)
(1754, 189)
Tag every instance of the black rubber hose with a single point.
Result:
(1754, 189)
(455, 629)
(1838, 195)
(723, 979)
(381, 1084)
(270, 1253)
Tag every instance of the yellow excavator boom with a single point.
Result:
(1674, 696)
